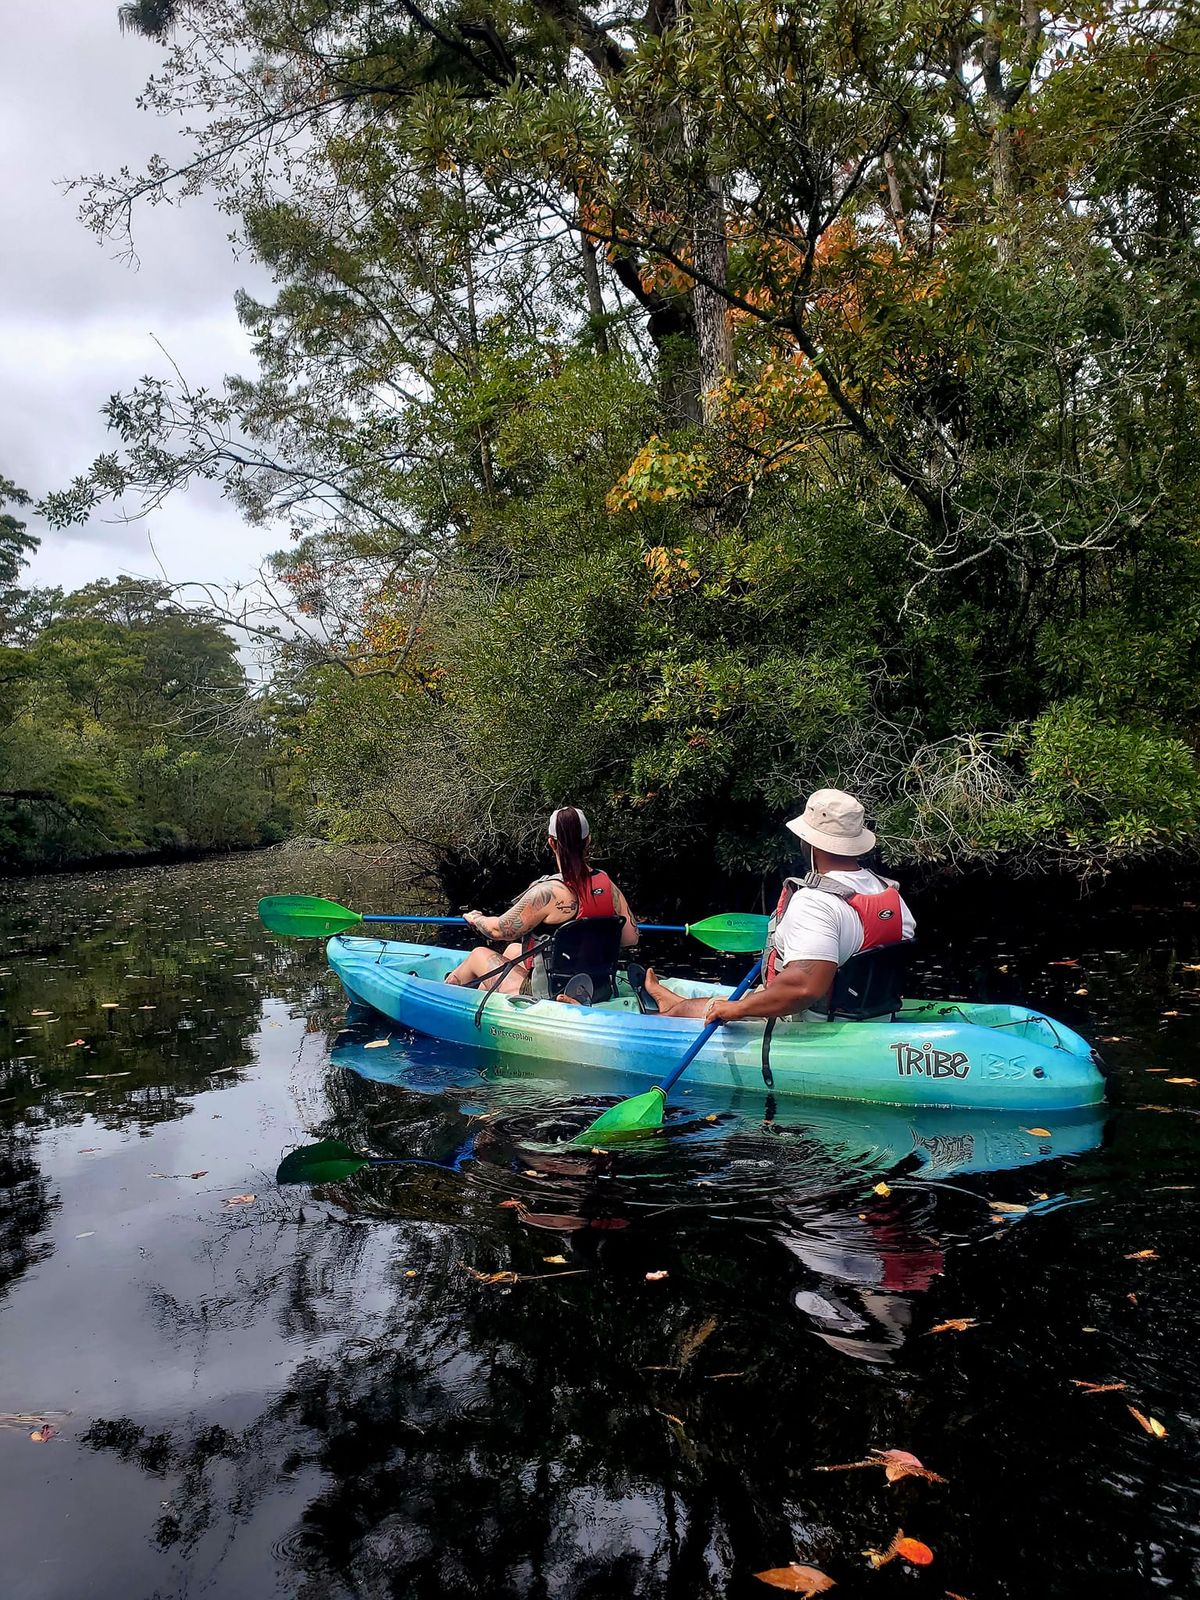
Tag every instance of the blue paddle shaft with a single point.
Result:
(441, 922)
(699, 1043)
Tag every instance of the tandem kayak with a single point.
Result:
(932, 1053)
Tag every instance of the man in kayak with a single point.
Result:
(575, 891)
(822, 921)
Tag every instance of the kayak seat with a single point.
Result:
(590, 947)
(870, 985)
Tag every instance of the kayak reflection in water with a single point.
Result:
(572, 894)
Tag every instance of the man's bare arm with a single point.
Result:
(795, 987)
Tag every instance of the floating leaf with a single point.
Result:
(376, 1044)
(1142, 1255)
(1097, 1388)
(241, 1200)
(691, 1342)
(1038, 1133)
(656, 1277)
(1082, 989)
(954, 1325)
(799, 1580)
(489, 1277)
(555, 1261)
(899, 1464)
(411, 1273)
(75, 1043)
(882, 1189)
(544, 1219)
(511, 1205)
(1191, 1082)
(912, 1550)
(203, 1174)
(1151, 1424)
(44, 1434)
(1008, 1208)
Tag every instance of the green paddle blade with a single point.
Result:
(642, 1114)
(327, 1162)
(303, 916)
(732, 931)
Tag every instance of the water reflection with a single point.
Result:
(311, 1393)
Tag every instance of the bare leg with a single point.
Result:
(482, 961)
(671, 1004)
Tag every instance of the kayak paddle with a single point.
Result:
(331, 1161)
(644, 1112)
(303, 916)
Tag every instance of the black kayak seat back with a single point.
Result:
(869, 985)
(591, 946)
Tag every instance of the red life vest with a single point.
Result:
(600, 900)
(881, 914)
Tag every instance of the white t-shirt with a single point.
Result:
(820, 927)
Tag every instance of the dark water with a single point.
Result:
(310, 1395)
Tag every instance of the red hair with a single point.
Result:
(572, 852)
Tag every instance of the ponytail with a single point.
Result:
(572, 852)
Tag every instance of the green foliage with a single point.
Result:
(676, 412)
(127, 727)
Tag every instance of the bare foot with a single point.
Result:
(666, 999)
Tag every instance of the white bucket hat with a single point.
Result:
(584, 830)
(835, 821)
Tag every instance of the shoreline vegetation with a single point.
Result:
(670, 414)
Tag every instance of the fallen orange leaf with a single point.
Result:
(241, 1200)
(1008, 1208)
(912, 1550)
(43, 1434)
(490, 1277)
(511, 1205)
(1151, 1424)
(954, 1325)
(1097, 1388)
(1039, 1133)
(899, 1464)
(882, 1189)
(1142, 1255)
(1191, 1082)
(555, 1261)
(655, 1277)
(799, 1580)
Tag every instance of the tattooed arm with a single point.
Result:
(536, 906)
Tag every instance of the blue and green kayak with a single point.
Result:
(932, 1053)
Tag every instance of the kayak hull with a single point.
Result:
(933, 1053)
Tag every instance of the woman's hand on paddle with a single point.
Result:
(479, 921)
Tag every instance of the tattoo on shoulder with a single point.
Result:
(519, 918)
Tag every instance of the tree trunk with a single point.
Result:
(591, 280)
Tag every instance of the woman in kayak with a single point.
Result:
(574, 891)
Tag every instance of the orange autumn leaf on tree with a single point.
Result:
(796, 1578)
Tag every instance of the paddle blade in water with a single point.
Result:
(327, 1162)
(733, 931)
(642, 1114)
(303, 916)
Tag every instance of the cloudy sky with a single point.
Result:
(76, 324)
